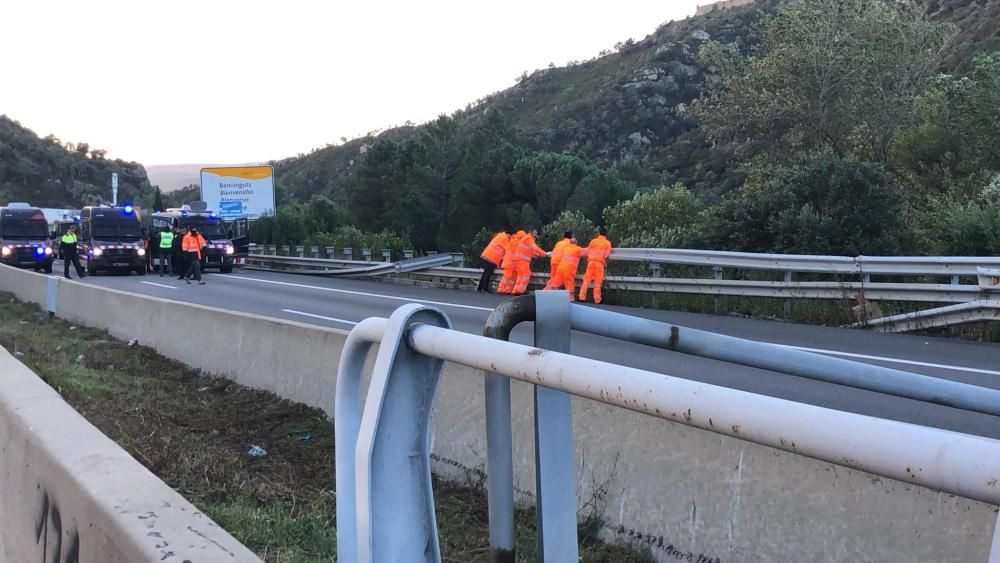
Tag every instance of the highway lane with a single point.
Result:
(339, 303)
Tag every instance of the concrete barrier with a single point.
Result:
(69, 494)
(687, 494)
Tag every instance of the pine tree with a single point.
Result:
(157, 200)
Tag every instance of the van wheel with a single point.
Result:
(140, 271)
(226, 269)
(48, 269)
(91, 268)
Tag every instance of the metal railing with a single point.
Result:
(346, 268)
(385, 506)
(804, 263)
(858, 287)
(860, 268)
(961, 313)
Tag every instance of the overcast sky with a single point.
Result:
(223, 81)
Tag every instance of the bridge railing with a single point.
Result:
(385, 508)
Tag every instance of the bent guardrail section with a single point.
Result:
(971, 312)
(342, 268)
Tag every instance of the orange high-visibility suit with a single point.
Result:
(497, 248)
(509, 265)
(491, 258)
(557, 252)
(193, 243)
(566, 274)
(597, 255)
(525, 250)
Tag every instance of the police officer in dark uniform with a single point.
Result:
(180, 267)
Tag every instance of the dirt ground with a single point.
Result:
(195, 433)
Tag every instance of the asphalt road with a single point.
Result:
(341, 303)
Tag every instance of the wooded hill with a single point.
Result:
(724, 106)
(631, 102)
(47, 172)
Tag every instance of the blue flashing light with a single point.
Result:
(76, 218)
(184, 213)
(128, 209)
(40, 250)
(213, 214)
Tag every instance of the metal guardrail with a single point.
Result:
(973, 311)
(762, 355)
(923, 292)
(385, 508)
(860, 268)
(859, 265)
(347, 268)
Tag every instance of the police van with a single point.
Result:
(110, 239)
(24, 238)
(228, 241)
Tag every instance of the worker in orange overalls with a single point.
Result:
(597, 256)
(192, 244)
(525, 250)
(566, 274)
(556, 257)
(492, 257)
(509, 265)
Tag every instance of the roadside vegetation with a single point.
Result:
(195, 432)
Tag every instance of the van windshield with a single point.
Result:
(26, 228)
(117, 228)
(211, 229)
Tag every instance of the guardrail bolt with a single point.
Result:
(788, 302)
(718, 300)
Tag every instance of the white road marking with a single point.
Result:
(159, 285)
(363, 293)
(894, 360)
(345, 321)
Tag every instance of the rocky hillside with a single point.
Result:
(631, 103)
(49, 173)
